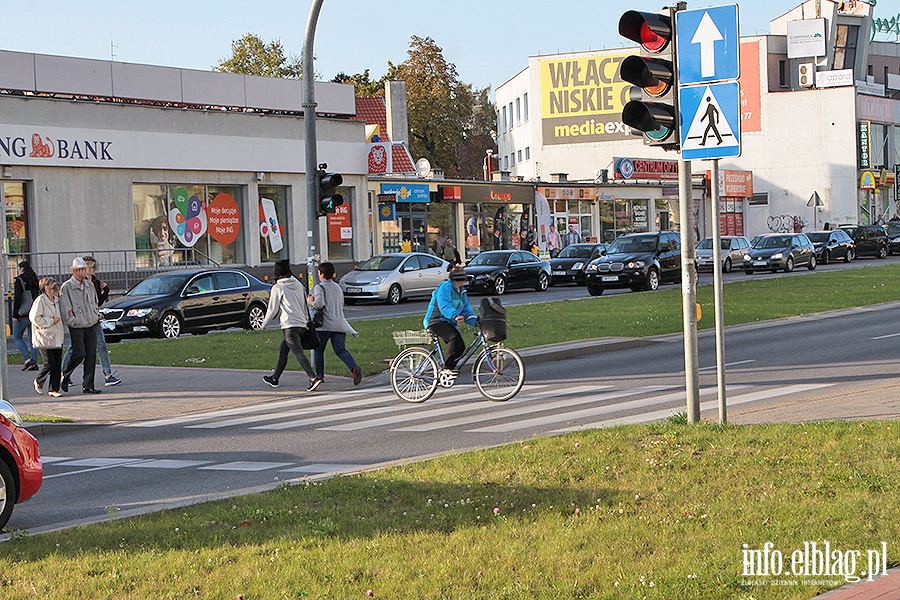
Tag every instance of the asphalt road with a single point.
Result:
(125, 469)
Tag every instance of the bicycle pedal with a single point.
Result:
(446, 378)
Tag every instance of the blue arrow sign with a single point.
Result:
(707, 44)
(710, 121)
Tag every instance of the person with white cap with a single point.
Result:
(450, 306)
(80, 311)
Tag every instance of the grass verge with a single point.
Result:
(654, 511)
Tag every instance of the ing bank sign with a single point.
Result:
(582, 98)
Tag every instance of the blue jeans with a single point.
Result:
(338, 339)
(20, 326)
(102, 350)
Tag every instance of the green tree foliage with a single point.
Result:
(250, 55)
(362, 83)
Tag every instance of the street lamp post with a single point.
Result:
(488, 165)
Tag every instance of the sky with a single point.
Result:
(489, 42)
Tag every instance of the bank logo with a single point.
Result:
(59, 148)
(40, 148)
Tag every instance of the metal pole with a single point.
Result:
(688, 290)
(309, 122)
(717, 283)
(4, 280)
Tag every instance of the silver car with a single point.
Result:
(394, 276)
(733, 249)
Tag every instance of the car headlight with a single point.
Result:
(577, 266)
(139, 312)
(7, 410)
(482, 277)
(378, 279)
(635, 264)
(777, 256)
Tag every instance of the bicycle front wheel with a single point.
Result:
(499, 373)
(414, 375)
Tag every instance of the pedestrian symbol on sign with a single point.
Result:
(712, 121)
(707, 123)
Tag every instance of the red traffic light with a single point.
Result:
(653, 31)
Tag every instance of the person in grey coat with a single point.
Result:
(328, 297)
(80, 311)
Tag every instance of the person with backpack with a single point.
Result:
(328, 301)
(26, 291)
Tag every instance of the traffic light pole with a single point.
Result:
(689, 290)
(309, 122)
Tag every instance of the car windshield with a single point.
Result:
(778, 241)
(893, 228)
(489, 259)
(707, 243)
(638, 243)
(575, 252)
(169, 283)
(818, 236)
(380, 263)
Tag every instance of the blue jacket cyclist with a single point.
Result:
(449, 306)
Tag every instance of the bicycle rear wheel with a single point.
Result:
(499, 374)
(414, 375)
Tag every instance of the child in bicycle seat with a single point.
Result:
(450, 306)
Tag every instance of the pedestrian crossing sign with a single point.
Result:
(710, 121)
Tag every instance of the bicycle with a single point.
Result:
(415, 373)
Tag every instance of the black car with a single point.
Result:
(500, 270)
(832, 245)
(893, 232)
(779, 251)
(870, 240)
(570, 264)
(169, 304)
(640, 261)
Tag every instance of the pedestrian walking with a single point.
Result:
(328, 299)
(451, 254)
(450, 306)
(287, 302)
(47, 334)
(80, 312)
(553, 242)
(25, 291)
(572, 237)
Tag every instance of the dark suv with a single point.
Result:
(640, 261)
(870, 240)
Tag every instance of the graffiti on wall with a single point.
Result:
(786, 224)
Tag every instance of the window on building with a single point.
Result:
(510, 115)
(512, 158)
(503, 119)
(884, 81)
(519, 157)
(879, 145)
(870, 71)
(845, 46)
(759, 199)
(518, 112)
(527, 152)
(525, 103)
(782, 73)
(273, 221)
(16, 225)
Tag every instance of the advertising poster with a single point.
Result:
(269, 226)
(543, 218)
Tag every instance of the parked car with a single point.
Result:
(570, 264)
(779, 251)
(21, 469)
(500, 270)
(394, 276)
(194, 301)
(641, 261)
(832, 245)
(870, 240)
(733, 249)
(893, 232)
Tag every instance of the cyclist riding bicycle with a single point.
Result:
(449, 306)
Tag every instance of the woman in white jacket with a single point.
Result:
(287, 301)
(47, 335)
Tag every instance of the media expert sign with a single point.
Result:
(582, 98)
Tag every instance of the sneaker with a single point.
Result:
(270, 380)
(314, 382)
(54, 394)
(357, 375)
(112, 380)
(90, 390)
(64, 384)
(26, 365)
(37, 387)
(33, 366)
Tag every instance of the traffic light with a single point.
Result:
(654, 72)
(327, 185)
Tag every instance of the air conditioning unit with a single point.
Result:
(806, 75)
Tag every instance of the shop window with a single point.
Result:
(340, 229)
(273, 217)
(16, 223)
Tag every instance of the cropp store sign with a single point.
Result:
(39, 146)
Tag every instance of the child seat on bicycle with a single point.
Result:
(449, 306)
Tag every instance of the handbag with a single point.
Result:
(318, 318)
(309, 337)
(27, 301)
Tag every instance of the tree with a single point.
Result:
(250, 55)
(361, 82)
(478, 136)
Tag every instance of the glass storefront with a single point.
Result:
(16, 242)
(419, 227)
(187, 223)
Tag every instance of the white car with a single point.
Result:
(394, 276)
(733, 250)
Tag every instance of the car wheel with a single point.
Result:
(825, 258)
(170, 326)
(595, 291)
(500, 285)
(882, 251)
(652, 280)
(789, 265)
(812, 263)
(850, 255)
(255, 317)
(394, 295)
(543, 283)
(726, 268)
(8, 493)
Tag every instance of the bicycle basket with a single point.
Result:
(409, 337)
(492, 317)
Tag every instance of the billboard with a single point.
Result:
(582, 99)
